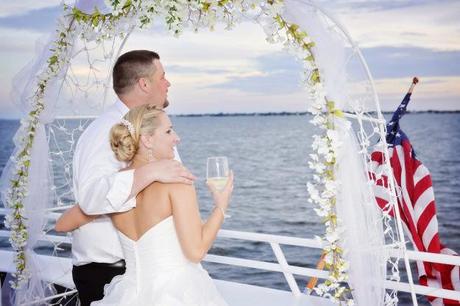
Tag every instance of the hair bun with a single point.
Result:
(122, 143)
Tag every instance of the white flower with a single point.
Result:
(321, 212)
(331, 186)
(313, 191)
(318, 120)
(332, 237)
(329, 156)
(318, 167)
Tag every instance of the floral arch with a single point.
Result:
(335, 74)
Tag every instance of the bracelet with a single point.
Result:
(223, 212)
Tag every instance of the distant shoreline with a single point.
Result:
(266, 114)
(301, 113)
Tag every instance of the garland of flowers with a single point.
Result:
(15, 220)
(179, 14)
(323, 191)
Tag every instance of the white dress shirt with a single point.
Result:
(100, 188)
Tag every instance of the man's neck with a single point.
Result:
(132, 101)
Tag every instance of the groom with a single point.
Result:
(138, 78)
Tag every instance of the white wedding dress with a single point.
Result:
(158, 274)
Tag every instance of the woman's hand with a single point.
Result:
(222, 197)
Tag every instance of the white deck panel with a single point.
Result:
(58, 270)
(237, 294)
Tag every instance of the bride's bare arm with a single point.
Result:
(72, 219)
(196, 237)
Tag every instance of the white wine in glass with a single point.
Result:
(217, 171)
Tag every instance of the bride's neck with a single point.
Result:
(140, 160)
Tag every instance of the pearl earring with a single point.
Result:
(150, 154)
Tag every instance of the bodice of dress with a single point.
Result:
(158, 274)
(157, 251)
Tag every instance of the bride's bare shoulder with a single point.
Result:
(169, 188)
(156, 189)
(180, 190)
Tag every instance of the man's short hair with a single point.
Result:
(130, 67)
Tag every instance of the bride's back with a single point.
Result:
(152, 206)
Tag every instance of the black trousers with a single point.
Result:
(91, 278)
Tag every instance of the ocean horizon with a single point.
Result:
(269, 155)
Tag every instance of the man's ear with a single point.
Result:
(142, 82)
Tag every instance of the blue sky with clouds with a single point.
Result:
(238, 71)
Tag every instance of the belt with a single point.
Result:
(118, 264)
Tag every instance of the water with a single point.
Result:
(269, 158)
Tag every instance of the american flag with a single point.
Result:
(416, 204)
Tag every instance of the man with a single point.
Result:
(138, 78)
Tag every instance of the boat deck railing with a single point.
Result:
(282, 266)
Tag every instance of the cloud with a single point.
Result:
(239, 71)
(394, 62)
(433, 24)
(374, 5)
(276, 73)
(196, 70)
(23, 7)
(43, 19)
(440, 93)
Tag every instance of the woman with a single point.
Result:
(163, 237)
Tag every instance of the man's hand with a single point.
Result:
(415, 80)
(171, 171)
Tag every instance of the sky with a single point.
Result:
(238, 71)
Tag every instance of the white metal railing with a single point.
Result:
(364, 118)
(289, 271)
(49, 298)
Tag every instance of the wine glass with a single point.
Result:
(217, 171)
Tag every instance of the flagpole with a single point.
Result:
(395, 195)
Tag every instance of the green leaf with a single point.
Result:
(309, 45)
(293, 27)
(53, 60)
(127, 4)
(222, 2)
(206, 6)
(315, 76)
(338, 113)
(95, 21)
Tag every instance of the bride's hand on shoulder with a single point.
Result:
(222, 197)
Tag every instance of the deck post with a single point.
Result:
(284, 265)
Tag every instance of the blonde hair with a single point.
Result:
(125, 143)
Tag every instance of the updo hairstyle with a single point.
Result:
(144, 120)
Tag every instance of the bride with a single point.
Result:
(163, 243)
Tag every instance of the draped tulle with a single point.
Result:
(346, 83)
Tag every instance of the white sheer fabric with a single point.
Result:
(40, 178)
(356, 207)
(361, 221)
(342, 71)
